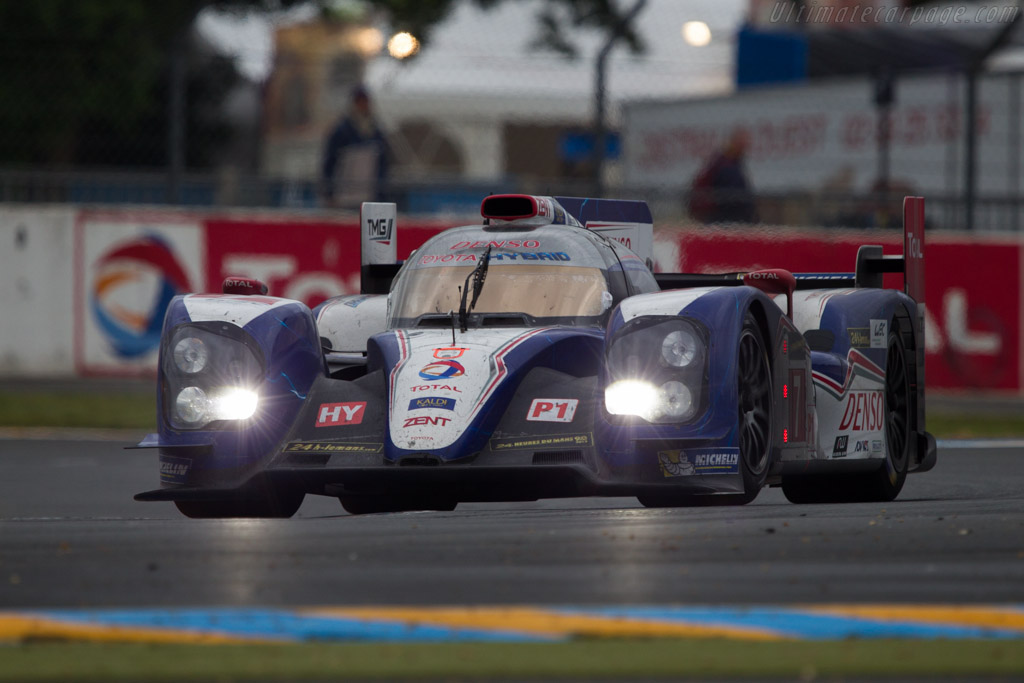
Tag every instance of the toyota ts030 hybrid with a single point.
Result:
(536, 355)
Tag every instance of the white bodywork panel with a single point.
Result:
(348, 321)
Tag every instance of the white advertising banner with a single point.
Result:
(823, 136)
(128, 266)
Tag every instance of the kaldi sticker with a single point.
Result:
(340, 414)
(436, 402)
(865, 411)
(552, 410)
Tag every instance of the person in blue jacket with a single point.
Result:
(359, 134)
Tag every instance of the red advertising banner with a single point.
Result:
(972, 289)
(129, 263)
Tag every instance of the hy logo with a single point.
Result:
(130, 330)
(381, 229)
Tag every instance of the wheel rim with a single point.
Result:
(897, 413)
(755, 396)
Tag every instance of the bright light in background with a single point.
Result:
(369, 41)
(696, 33)
(402, 45)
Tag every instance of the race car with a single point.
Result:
(536, 355)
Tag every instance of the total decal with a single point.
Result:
(128, 267)
(438, 388)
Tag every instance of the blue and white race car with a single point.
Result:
(536, 355)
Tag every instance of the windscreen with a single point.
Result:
(574, 295)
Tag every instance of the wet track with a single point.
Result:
(70, 536)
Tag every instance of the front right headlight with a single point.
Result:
(211, 374)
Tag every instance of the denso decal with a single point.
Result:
(865, 411)
(426, 421)
(340, 414)
(439, 402)
(436, 387)
(429, 259)
(552, 410)
(692, 462)
(449, 352)
(442, 369)
(525, 244)
(839, 449)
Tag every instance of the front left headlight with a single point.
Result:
(211, 374)
(657, 370)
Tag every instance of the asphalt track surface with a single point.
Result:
(71, 536)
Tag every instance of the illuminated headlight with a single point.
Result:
(672, 400)
(211, 373)
(680, 348)
(195, 407)
(190, 355)
(657, 369)
(630, 397)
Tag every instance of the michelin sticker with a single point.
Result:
(692, 462)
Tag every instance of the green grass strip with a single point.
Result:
(98, 410)
(580, 660)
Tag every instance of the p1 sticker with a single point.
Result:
(552, 410)
(340, 414)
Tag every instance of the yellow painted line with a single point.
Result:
(543, 622)
(951, 615)
(25, 628)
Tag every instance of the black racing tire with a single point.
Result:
(884, 484)
(755, 400)
(282, 505)
(371, 504)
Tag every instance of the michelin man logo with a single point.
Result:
(675, 464)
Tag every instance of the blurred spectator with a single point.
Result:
(355, 163)
(720, 193)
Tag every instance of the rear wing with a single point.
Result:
(871, 265)
(378, 247)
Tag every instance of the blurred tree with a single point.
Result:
(87, 82)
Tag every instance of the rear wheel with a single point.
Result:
(279, 505)
(884, 484)
(754, 393)
(364, 505)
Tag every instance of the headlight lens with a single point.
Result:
(190, 355)
(211, 372)
(657, 369)
(192, 405)
(676, 400)
(679, 348)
